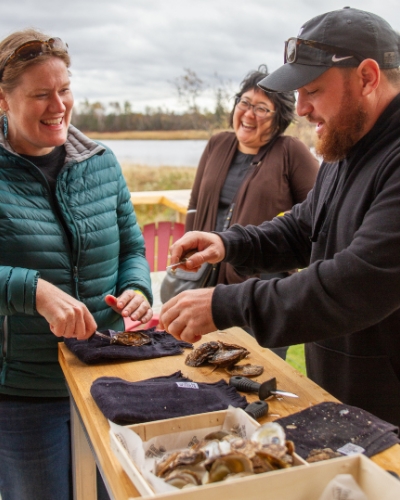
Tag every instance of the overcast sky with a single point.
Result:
(131, 50)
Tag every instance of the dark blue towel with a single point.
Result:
(99, 350)
(159, 398)
(332, 425)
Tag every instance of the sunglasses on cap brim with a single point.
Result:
(32, 49)
(292, 45)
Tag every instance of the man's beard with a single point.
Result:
(343, 131)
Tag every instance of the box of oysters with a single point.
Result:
(201, 453)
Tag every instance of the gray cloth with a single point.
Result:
(159, 398)
(99, 350)
(333, 425)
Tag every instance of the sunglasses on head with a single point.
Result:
(292, 44)
(32, 49)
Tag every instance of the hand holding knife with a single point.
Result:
(182, 261)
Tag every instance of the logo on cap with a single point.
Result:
(389, 58)
(337, 59)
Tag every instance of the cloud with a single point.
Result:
(133, 49)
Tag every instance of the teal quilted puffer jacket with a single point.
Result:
(104, 254)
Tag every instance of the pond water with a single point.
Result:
(182, 153)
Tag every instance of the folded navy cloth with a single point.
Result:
(159, 398)
(335, 425)
(98, 350)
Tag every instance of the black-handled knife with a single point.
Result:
(264, 390)
(257, 409)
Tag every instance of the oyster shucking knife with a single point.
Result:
(264, 390)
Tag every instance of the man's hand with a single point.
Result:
(131, 304)
(208, 247)
(188, 315)
(66, 316)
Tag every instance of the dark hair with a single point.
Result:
(284, 101)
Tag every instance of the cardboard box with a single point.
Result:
(192, 425)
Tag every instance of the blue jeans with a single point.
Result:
(35, 457)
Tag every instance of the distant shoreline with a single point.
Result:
(302, 129)
(153, 135)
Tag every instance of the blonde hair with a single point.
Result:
(14, 70)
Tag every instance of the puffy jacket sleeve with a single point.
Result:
(18, 290)
(134, 271)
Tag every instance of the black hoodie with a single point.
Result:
(346, 303)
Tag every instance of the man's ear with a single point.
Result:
(369, 73)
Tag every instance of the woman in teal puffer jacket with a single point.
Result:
(71, 259)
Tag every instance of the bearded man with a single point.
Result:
(345, 304)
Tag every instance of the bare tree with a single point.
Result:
(189, 86)
(223, 94)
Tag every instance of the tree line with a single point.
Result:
(97, 117)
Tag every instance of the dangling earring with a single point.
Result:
(5, 126)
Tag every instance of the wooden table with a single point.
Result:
(90, 429)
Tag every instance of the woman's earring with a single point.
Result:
(5, 126)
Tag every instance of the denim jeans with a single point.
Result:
(35, 457)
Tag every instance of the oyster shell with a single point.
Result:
(269, 433)
(183, 478)
(228, 354)
(319, 454)
(200, 355)
(246, 370)
(131, 338)
(275, 456)
(232, 463)
(178, 459)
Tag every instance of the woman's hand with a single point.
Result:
(66, 316)
(131, 304)
(207, 247)
(188, 315)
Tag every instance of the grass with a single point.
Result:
(143, 178)
(295, 358)
(302, 129)
(151, 135)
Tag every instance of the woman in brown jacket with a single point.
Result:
(253, 173)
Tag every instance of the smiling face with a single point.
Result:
(251, 131)
(39, 108)
(331, 102)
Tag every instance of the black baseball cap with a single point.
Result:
(341, 38)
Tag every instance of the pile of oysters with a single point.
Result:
(223, 456)
(223, 355)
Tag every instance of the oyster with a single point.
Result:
(216, 353)
(228, 354)
(274, 456)
(200, 355)
(246, 370)
(183, 478)
(178, 459)
(132, 338)
(232, 463)
(269, 433)
(222, 456)
(135, 338)
(245, 446)
(319, 454)
(218, 435)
